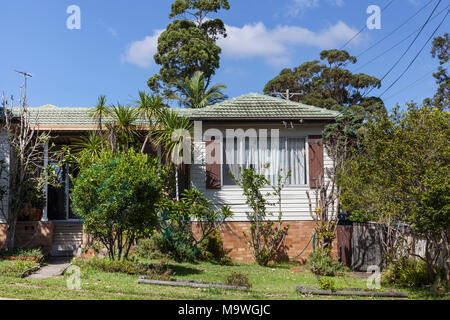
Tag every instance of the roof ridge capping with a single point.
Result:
(256, 105)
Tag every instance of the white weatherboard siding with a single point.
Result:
(4, 180)
(294, 200)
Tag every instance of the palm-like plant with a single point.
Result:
(169, 137)
(100, 112)
(149, 108)
(92, 145)
(123, 120)
(194, 92)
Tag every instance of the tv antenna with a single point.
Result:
(25, 76)
(286, 95)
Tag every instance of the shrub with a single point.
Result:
(266, 239)
(327, 284)
(175, 240)
(15, 268)
(172, 242)
(324, 265)
(151, 248)
(407, 272)
(238, 279)
(178, 240)
(115, 197)
(212, 250)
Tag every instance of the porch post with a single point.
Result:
(45, 212)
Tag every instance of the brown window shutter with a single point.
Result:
(213, 169)
(315, 160)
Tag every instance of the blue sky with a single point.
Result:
(112, 53)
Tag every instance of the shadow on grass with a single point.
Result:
(183, 270)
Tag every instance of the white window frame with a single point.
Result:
(306, 184)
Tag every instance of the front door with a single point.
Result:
(59, 203)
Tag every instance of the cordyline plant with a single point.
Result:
(266, 236)
(24, 144)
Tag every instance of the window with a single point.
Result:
(288, 155)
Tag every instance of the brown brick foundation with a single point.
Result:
(2, 235)
(30, 234)
(300, 233)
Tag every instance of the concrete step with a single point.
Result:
(64, 250)
(68, 235)
(67, 239)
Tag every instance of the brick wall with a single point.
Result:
(2, 235)
(300, 232)
(34, 234)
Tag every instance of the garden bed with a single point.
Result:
(351, 292)
(36, 255)
(19, 258)
(191, 283)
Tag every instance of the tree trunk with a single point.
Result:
(10, 234)
(446, 247)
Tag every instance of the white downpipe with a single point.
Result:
(45, 213)
(176, 184)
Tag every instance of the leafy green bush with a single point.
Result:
(406, 272)
(238, 279)
(327, 283)
(15, 268)
(324, 265)
(151, 248)
(116, 199)
(178, 240)
(212, 250)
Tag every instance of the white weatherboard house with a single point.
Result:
(228, 136)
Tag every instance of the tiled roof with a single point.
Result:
(258, 106)
(250, 106)
(50, 115)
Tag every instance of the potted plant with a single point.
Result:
(34, 203)
(37, 204)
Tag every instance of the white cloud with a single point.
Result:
(299, 6)
(275, 45)
(141, 52)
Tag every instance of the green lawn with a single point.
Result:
(276, 282)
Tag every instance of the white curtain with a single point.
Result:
(286, 156)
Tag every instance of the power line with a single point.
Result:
(417, 55)
(398, 43)
(409, 47)
(396, 29)
(364, 28)
(414, 83)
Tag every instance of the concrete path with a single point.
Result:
(55, 267)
